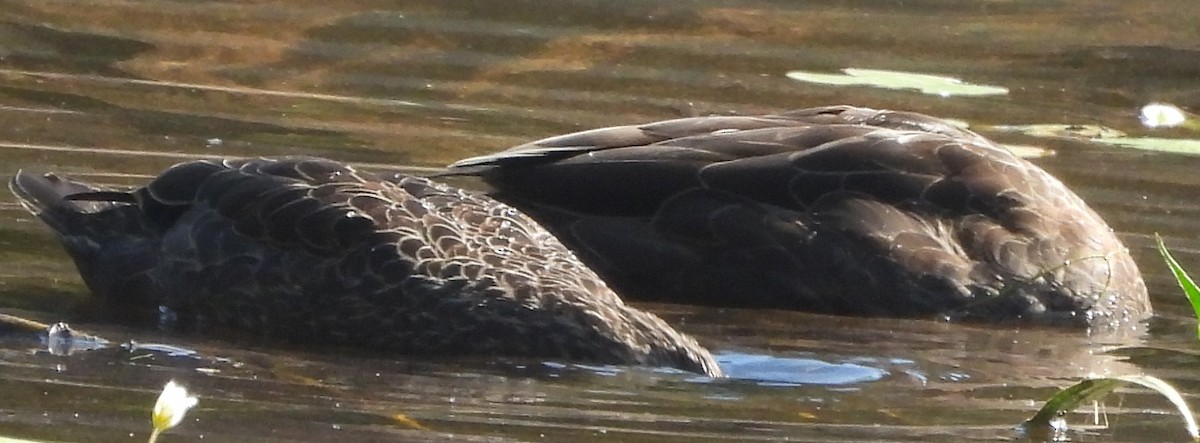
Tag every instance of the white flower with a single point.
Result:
(1162, 115)
(171, 406)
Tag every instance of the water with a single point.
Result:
(114, 91)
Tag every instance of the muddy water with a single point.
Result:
(114, 91)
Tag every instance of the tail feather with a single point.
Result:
(44, 195)
(60, 202)
(108, 237)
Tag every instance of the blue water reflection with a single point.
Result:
(771, 370)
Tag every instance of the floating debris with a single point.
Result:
(925, 83)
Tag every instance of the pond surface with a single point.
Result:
(114, 91)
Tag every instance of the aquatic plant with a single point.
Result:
(172, 405)
(1185, 281)
(1049, 419)
(170, 408)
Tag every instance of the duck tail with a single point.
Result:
(104, 231)
(48, 196)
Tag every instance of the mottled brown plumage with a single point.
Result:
(836, 209)
(315, 251)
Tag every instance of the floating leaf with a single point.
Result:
(1026, 151)
(1092, 389)
(926, 83)
(1172, 145)
(1181, 276)
(1104, 134)
(1087, 132)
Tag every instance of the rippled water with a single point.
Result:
(114, 91)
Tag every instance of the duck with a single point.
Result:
(314, 251)
(838, 210)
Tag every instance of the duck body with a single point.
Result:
(311, 250)
(838, 210)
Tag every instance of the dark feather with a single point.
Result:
(836, 209)
(315, 251)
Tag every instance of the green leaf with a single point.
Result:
(1181, 276)
(1026, 151)
(1055, 130)
(1091, 389)
(925, 83)
(1172, 145)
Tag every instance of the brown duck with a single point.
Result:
(837, 209)
(315, 251)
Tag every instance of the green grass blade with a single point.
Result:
(1185, 281)
(1069, 398)
(1091, 389)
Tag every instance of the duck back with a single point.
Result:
(837, 209)
(311, 250)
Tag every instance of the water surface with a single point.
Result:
(114, 91)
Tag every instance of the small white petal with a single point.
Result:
(171, 406)
(1162, 115)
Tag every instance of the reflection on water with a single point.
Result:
(113, 91)
(792, 371)
(931, 379)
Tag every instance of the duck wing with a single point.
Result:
(835, 209)
(646, 164)
(313, 250)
